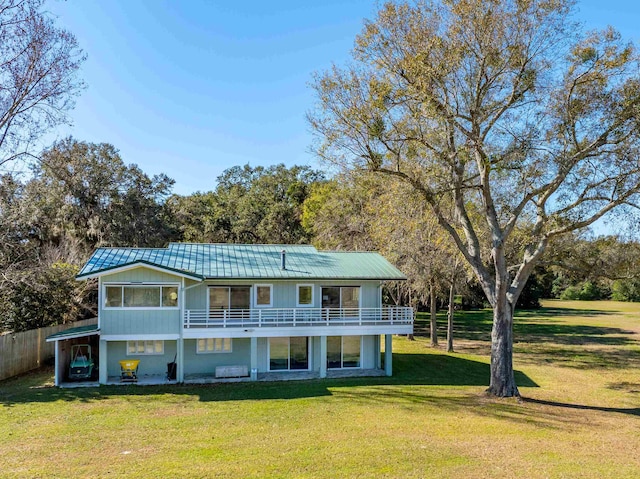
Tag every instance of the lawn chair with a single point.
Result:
(129, 370)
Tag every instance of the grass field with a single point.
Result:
(578, 369)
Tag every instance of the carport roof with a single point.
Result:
(72, 333)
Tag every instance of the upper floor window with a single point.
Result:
(229, 297)
(141, 296)
(263, 295)
(304, 295)
(341, 297)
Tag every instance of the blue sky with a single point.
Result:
(194, 87)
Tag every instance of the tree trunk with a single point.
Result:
(434, 325)
(450, 319)
(410, 336)
(503, 383)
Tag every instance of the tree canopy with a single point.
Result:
(249, 205)
(504, 109)
(39, 64)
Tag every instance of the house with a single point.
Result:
(222, 311)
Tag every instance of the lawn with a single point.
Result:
(578, 368)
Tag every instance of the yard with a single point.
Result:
(578, 370)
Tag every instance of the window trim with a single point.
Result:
(145, 341)
(214, 351)
(138, 285)
(310, 305)
(255, 295)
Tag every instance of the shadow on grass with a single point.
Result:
(410, 370)
(634, 411)
(576, 356)
(632, 388)
(532, 327)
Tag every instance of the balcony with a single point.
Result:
(197, 319)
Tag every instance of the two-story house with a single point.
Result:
(230, 310)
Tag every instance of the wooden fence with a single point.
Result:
(22, 352)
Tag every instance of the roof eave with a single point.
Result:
(137, 264)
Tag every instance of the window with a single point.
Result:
(350, 297)
(222, 298)
(288, 354)
(113, 297)
(140, 296)
(263, 295)
(304, 295)
(145, 347)
(169, 297)
(213, 345)
(341, 297)
(343, 352)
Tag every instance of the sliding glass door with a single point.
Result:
(343, 352)
(341, 297)
(222, 298)
(288, 354)
(342, 301)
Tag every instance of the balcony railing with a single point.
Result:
(293, 317)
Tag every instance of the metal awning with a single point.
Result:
(72, 333)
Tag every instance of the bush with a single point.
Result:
(586, 291)
(626, 290)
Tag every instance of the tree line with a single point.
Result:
(80, 196)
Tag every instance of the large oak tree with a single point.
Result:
(505, 109)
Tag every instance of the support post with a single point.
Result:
(254, 358)
(388, 354)
(180, 360)
(56, 377)
(378, 353)
(102, 362)
(323, 356)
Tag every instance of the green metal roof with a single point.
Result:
(242, 261)
(74, 332)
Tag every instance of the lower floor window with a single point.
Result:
(213, 345)
(343, 352)
(288, 353)
(145, 347)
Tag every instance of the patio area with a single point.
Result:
(160, 380)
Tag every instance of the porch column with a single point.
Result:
(180, 360)
(378, 353)
(388, 352)
(254, 358)
(102, 362)
(56, 377)
(323, 356)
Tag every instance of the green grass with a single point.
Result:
(578, 368)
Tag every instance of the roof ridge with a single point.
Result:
(179, 243)
(343, 251)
